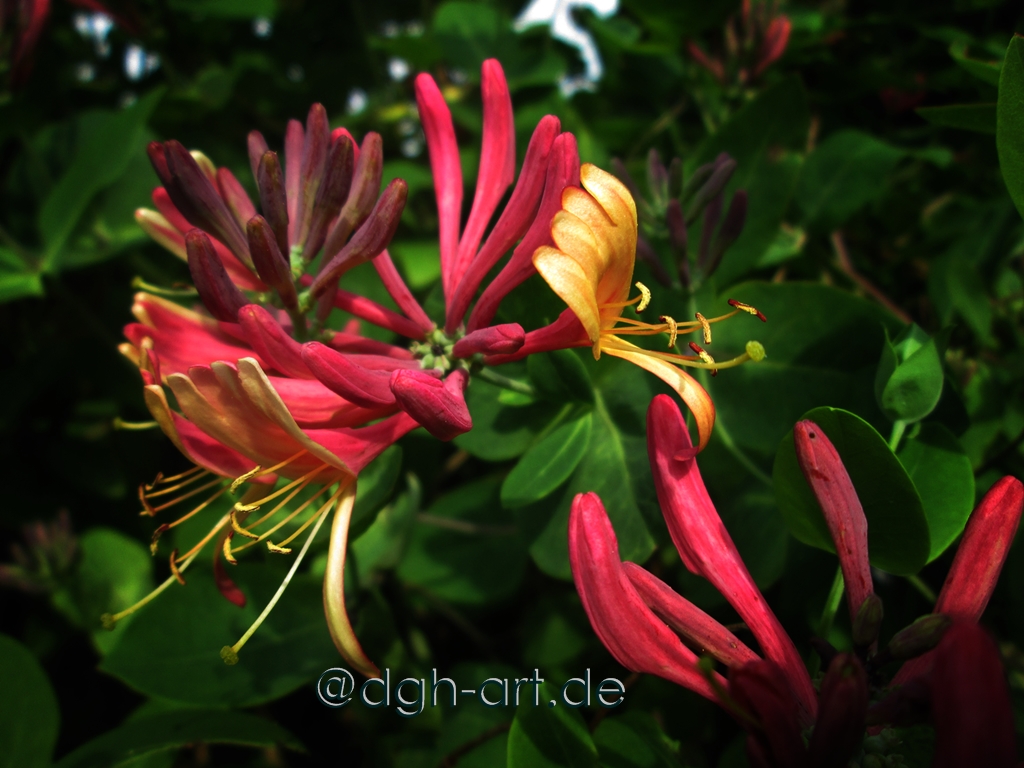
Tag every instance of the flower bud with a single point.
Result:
(257, 147)
(331, 194)
(273, 200)
(438, 405)
(761, 689)
(919, 637)
(340, 374)
(271, 265)
(314, 157)
(723, 169)
(712, 215)
(774, 44)
(221, 297)
(365, 188)
(677, 235)
(867, 622)
(494, 340)
(276, 348)
(842, 706)
(369, 240)
(193, 194)
(729, 232)
(235, 196)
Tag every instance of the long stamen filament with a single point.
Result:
(282, 490)
(288, 518)
(151, 510)
(689, 361)
(161, 480)
(229, 653)
(177, 486)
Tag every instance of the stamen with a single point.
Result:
(160, 479)
(704, 356)
(748, 309)
(226, 548)
(120, 423)
(645, 294)
(237, 527)
(238, 481)
(172, 488)
(705, 326)
(109, 621)
(288, 518)
(160, 530)
(151, 510)
(278, 550)
(174, 568)
(229, 653)
(673, 330)
(284, 489)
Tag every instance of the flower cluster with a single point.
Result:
(649, 628)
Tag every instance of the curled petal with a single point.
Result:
(439, 406)
(630, 631)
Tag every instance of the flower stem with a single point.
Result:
(926, 592)
(896, 435)
(832, 602)
(505, 382)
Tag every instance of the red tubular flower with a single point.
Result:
(844, 514)
(978, 562)
(705, 546)
(762, 692)
(970, 702)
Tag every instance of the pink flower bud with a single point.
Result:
(362, 194)
(340, 374)
(218, 293)
(774, 45)
(438, 405)
(842, 707)
(271, 265)
(273, 200)
(493, 340)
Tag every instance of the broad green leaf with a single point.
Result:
(943, 476)
(114, 572)
(988, 71)
(469, 724)
(970, 117)
(635, 740)
(172, 648)
(382, 544)
(822, 349)
(778, 119)
(420, 262)
(29, 717)
(551, 735)
(107, 142)
(898, 536)
(465, 548)
(560, 376)
(844, 173)
(376, 484)
(168, 731)
(614, 464)
(501, 432)
(547, 464)
(17, 285)
(908, 383)
(1010, 121)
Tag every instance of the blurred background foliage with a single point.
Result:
(880, 241)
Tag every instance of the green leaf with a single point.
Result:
(381, 546)
(467, 549)
(1010, 121)
(547, 464)
(168, 731)
(560, 376)
(988, 71)
(17, 285)
(549, 736)
(501, 432)
(420, 262)
(29, 717)
(376, 484)
(172, 648)
(898, 536)
(970, 117)
(846, 172)
(614, 467)
(909, 380)
(778, 119)
(943, 476)
(107, 142)
(635, 740)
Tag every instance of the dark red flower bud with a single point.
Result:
(234, 194)
(730, 230)
(919, 637)
(493, 340)
(774, 739)
(273, 201)
(438, 405)
(970, 702)
(369, 240)
(271, 265)
(724, 167)
(257, 147)
(363, 193)
(340, 374)
(842, 706)
(220, 296)
(331, 195)
(314, 158)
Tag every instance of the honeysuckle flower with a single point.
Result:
(590, 267)
(649, 628)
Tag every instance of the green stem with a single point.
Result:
(832, 602)
(926, 591)
(505, 382)
(898, 428)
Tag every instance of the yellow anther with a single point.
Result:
(704, 356)
(226, 549)
(750, 310)
(174, 567)
(278, 550)
(673, 330)
(239, 507)
(645, 296)
(705, 326)
(237, 482)
(755, 351)
(237, 527)
(156, 537)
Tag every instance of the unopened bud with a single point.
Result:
(494, 340)
(842, 708)
(695, 182)
(919, 637)
(369, 240)
(729, 232)
(220, 296)
(235, 196)
(867, 621)
(363, 193)
(314, 157)
(330, 195)
(271, 265)
(257, 147)
(273, 200)
(343, 376)
(712, 215)
(676, 223)
(724, 168)
(439, 406)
